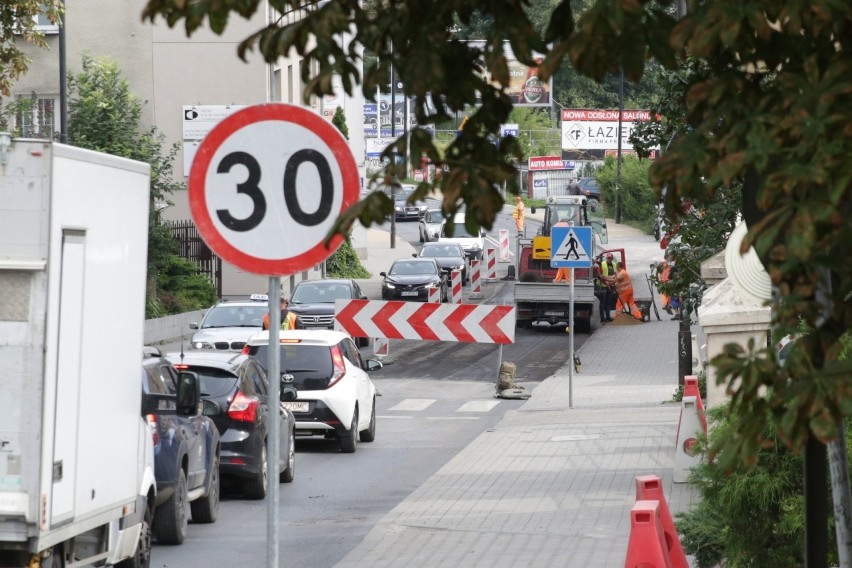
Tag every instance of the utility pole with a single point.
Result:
(63, 82)
(618, 159)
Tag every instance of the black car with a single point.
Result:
(450, 256)
(411, 279)
(313, 303)
(234, 387)
(403, 210)
(186, 449)
(589, 187)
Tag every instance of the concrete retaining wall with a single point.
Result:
(170, 328)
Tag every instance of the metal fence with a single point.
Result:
(193, 248)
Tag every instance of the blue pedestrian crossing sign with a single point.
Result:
(570, 247)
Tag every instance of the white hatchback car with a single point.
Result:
(336, 397)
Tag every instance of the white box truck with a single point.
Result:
(73, 246)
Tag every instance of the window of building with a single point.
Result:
(35, 116)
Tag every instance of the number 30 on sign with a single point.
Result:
(267, 185)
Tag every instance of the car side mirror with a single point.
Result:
(373, 365)
(193, 325)
(414, 255)
(188, 394)
(383, 274)
(288, 392)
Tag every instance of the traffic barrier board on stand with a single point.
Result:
(468, 323)
(475, 280)
(650, 488)
(690, 388)
(490, 264)
(381, 346)
(686, 452)
(647, 545)
(456, 287)
(434, 295)
(504, 245)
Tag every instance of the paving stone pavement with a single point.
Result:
(552, 484)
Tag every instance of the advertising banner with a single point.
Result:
(591, 129)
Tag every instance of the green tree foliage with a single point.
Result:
(18, 24)
(182, 288)
(769, 107)
(104, 115)
(638, 200)
(339, 120)
(344, 263)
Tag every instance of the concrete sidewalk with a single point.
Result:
(552, 484)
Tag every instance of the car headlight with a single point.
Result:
(432, 285)
(388, 285)
(201, 345)
(399, 208)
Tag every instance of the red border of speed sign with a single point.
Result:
(198, 190)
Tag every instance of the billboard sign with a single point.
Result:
(592, 129)
(525, 89)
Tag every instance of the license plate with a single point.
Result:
(554, 313)
(409, 293)
(295, 406)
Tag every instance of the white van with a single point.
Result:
(472, 244)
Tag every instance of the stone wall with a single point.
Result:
(170, 328)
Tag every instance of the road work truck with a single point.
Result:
(537, 297)
(73, 448)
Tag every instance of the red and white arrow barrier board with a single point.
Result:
(468, 323)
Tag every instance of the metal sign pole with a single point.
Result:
(571, 344)
(272, 443)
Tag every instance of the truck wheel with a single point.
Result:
(593, 204)
(142, 558)
(349, 441)
(289, 472)
(206, 509)
(171, 518)
(255, 486)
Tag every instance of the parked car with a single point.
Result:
(186, 449)
(403, 210)
(411, 279)
(236, 389)
(589, 187)
(450, 256)
(430, 225)
(472, 244)
(228, 324)
(336, 398)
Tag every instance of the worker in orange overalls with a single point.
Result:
(288, 318)
(518, 214)
(624, 288)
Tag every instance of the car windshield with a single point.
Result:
(320, 293)
(436, 251)
(310, 365)
(567, 213)
(235, 316)
(215, 383)
(408, 268)
(433, 217)
(459, 231)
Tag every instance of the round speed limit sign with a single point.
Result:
(267, 185)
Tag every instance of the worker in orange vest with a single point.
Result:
(624, 288)
(288, 318)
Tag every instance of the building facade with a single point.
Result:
(170, 73)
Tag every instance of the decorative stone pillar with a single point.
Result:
(726, 316)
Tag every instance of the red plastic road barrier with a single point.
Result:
(471, 323)
(456, 285)
(650, 488)
(690, 388)
(490, 264)
(647, 545)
